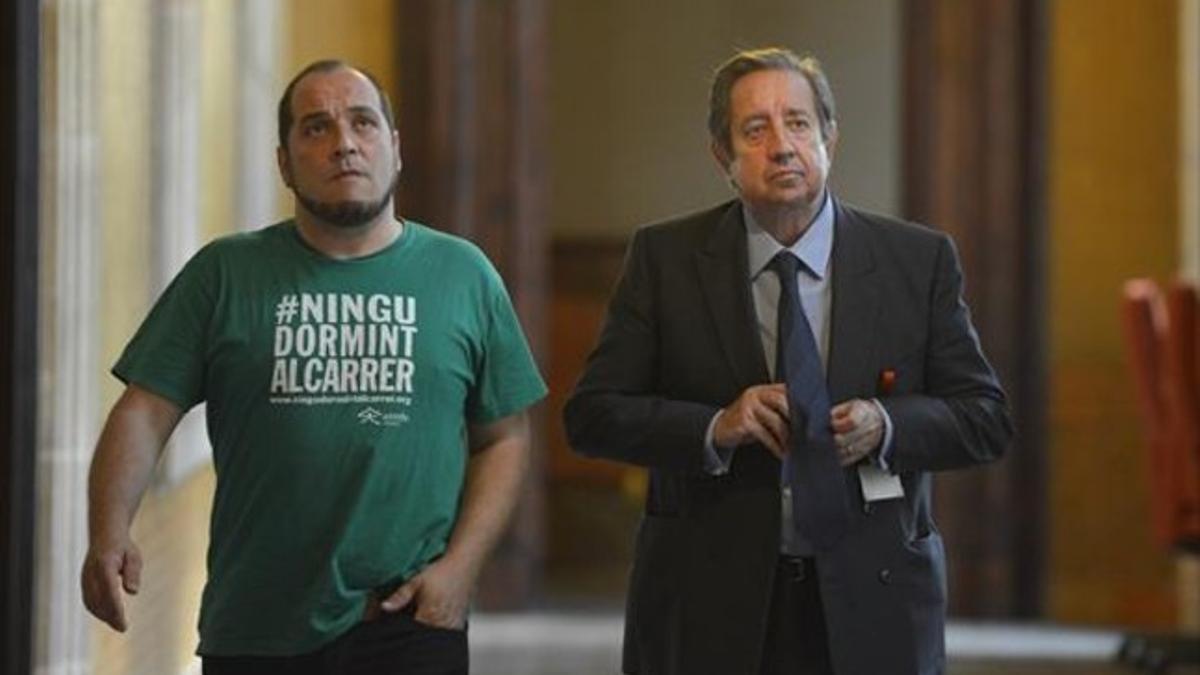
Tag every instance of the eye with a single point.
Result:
(754, 132)
(314, 128)
(799, 124)
(365, 122)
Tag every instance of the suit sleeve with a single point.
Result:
(615, 411)
(961, 418)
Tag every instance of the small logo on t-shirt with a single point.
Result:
(376, 418)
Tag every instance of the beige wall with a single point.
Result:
(628, 85)
(1189, 127)
(126, 114)
(1113, 214)
(362, 32)
(218, 98)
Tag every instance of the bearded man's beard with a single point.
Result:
(347, 214)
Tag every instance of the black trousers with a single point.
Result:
(392, 644)
(797, 643)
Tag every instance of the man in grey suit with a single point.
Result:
(791, 370)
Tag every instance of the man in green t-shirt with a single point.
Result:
(366, 382)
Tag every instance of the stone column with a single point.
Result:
(175, 188)
(70, 368)
(257, 80)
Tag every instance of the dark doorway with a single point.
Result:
(19, 31)
(973, 150)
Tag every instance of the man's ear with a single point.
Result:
(285, 172)
(396, 149)
(831, 142)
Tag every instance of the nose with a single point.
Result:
(782, 154)
(779, 149)
(344, 142)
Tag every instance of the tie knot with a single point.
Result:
(786, 265)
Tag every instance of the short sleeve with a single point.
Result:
(508, 380)
(167, 354)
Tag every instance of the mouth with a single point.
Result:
(345, 174)
(787, 174)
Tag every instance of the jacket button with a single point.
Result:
(885, 576)
(868, 507)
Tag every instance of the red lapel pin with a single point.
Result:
(887, 381)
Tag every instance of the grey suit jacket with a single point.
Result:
(680, 342)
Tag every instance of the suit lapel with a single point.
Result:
(855, 313)
(725, 282)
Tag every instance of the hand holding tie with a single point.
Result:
(759, 415)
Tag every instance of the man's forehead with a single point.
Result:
(340, 88)
(763, 90)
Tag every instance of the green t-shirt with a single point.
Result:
(338, 393)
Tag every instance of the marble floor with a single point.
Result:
(558, 643)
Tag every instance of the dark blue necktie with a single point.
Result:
(819, 503)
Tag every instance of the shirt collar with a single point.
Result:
(812, 248)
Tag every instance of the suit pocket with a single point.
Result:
(924, 567)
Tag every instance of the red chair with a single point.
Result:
(1183, 401)
(1163, 339)
(1164, 351)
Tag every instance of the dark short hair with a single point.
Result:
(771, 58)
(325, 66)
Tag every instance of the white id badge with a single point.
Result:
(878, 484)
